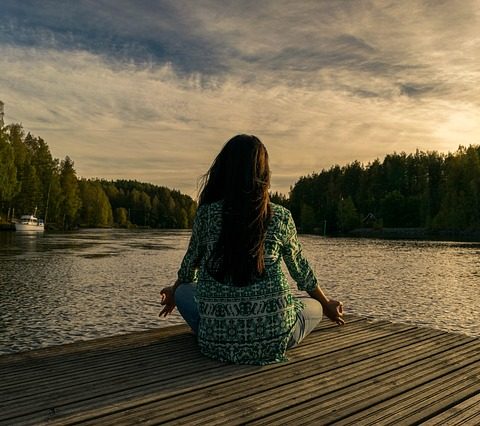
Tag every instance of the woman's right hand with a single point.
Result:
(333, 310)
(167, 301)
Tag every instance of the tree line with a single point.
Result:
(31, 179)
(425, 189)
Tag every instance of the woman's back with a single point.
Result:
(247, 324)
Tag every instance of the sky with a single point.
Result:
(151, 90)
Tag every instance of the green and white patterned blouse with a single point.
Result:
(253, 324)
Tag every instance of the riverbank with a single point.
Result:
(57, 228)
(362, 373)
(415, 234)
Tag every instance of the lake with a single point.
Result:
(63, 287)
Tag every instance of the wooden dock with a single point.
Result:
(365, 373)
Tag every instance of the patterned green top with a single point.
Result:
(253, 324)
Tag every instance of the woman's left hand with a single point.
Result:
(168, 301)
(333, 310)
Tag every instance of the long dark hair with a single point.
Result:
(240, 176)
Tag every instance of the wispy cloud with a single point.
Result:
(151, 90)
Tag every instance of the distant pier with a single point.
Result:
(365, 373)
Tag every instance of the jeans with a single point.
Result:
(187, 305)
(307, 319)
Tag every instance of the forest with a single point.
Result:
(421, 190)
(32, 180)
(427, 190)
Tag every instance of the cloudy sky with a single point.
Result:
(151, 89)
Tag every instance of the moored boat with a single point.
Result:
(29, 223)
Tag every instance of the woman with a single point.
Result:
(230, 288)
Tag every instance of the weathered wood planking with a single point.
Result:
(365, 373)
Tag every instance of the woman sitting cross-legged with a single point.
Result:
(230, 288)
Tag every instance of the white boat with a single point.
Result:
(29, 223)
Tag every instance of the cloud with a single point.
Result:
(152, 90)
(414, 90)
(140, 32)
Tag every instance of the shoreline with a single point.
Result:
(420, 234)
(424, 234)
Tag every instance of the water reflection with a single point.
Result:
(424, 283)
(62, 287)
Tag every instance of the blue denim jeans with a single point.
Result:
(307, 319)
(187, 305)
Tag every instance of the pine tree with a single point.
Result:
(8, 173)
(70, 195)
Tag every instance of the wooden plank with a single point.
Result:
(420, 403)
(358, 373)
(118, 342)
(466, 412)
(55, 373)
(349, 319)
(236, 392)
(250, 385)
(57, 376)
(133, 339)
(57, 381)
(20, 365)
(380, 387)
(81, 392)
(339, 405)
(330, 397)
(24, 367)
(95, 387)
(107, 385)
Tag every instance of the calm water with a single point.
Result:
(59, 288)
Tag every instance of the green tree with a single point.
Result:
(393, 205)
(46, 168)
(70, 195)
(29, 198)
(347, 216)
(8, 173)
(460, 206)
(140, 207)
(307, 218)
(191, 210)
(121, 216)
(181, 218)
(351, 181)
(54, 201)
(96, 210)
